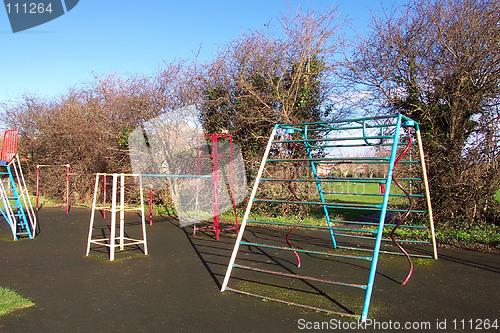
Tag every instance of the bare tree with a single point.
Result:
(89, 126)
(282, 74)
(438, 61)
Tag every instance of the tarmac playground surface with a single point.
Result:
(176, 287)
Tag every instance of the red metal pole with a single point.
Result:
(232, 179)
(151, 205)
(37, 175)
(198, 154)
(104, 196)
(67, 189)
(216, 185)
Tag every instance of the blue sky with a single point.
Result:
(134, 36)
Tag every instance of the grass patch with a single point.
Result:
(11, 301)
(423, 261)
(470, 235)
(47, 201)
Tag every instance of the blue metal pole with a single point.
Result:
(19, 205)
(383, 212)
(320, 191)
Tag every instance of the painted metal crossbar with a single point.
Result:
(338, 233)
(314, 142)
(313, 308)
(302, 277)
(337, 205)
(307, 251)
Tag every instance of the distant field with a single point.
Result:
(357, 192)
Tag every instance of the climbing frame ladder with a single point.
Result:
(121, 240)
(17, 209)
(359, 211)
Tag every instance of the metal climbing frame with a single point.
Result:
(122, 240)
(343, 169)
(17, 209)
(217, 160)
